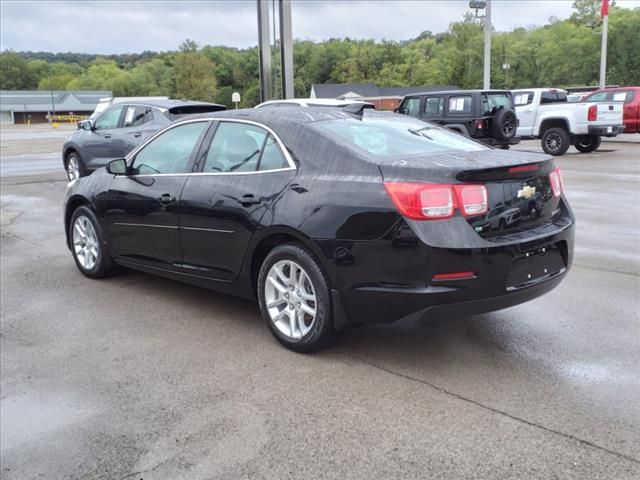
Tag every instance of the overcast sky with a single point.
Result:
(133, 26)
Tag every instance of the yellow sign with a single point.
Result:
(68, 118)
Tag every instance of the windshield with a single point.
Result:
(395, 135)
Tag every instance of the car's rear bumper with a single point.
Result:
(606, 130)
(497, 143)
(407, 289)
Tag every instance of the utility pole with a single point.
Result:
(604, 12)
(264, 50)
(286, 49)
(486, 84)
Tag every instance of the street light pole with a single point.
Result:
(486, 84)
(604, 12)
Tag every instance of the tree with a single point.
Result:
(15, 73)
(194, 76)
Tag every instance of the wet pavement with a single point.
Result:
(145, 378)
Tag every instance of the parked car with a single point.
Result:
(631, 109)
(328, 217)
(120, 128)
(502, 217)
(484, 115)
(106, 102)
(546, 114)
(313, 102)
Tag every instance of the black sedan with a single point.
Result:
(121, 128)
(328, 217)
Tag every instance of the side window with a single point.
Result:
(170, 152)
(624, 96)
(460, 104)
(433, 107)
(522, 98)
(411, 107)
(235, 147)
(109, 119)
(136, 115)
(272, 157)
(598, 97)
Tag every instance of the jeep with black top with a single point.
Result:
(485, 115)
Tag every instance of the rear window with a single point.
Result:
(492, 101)
(178, 112)
(553, 97)
(390, 136)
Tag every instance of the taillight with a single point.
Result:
(592, 116)
(479, 124)
(472, 199)
(557, 183)
(426, 201)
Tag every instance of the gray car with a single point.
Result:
(120, 129)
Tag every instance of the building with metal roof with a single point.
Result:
(384, 98)
(41, 106)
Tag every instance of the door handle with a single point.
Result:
(107, 135)
(166, 199)
(248, 200)
(137, 134)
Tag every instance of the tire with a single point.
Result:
(74, 166)
(555, 141)
(504, 124)
(88, 246)
(281, 303)
(587, 143)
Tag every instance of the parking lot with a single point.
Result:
(145, 378)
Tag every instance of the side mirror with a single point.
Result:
(87, 125)
(117, 167)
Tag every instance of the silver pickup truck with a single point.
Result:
(544, 113)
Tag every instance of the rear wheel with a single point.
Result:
(587, 143)
(556, 141)
(293, 292)
(87, 244)
(75, 168)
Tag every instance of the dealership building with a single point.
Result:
(41, 106)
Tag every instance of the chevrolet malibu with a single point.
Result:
(328, 217)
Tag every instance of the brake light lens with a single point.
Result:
(557, 182)
(592, 114)
(479, 124)
(426, 201)
(472, 199)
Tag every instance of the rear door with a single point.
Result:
(244, 168)
(433, 109)
(143, 207)
(525, 111)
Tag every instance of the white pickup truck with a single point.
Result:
(544, 113)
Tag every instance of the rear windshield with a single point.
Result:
(492, 101)
(395, 135)
(177, 112)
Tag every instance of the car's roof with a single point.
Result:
(456, 92)
(171, 103)
(329, 102)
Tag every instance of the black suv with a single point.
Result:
(484, 115)
(119, 129)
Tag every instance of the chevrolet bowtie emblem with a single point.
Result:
(527, 192)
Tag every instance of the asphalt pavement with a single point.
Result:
(141, 377)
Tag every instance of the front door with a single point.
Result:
(143, 206)
(100, 145)
(244, 168)
(526, 113)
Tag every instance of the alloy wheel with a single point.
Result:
(553, 141)
(73, 169)
(290, 299)
(85, 242)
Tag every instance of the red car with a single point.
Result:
(631, 98)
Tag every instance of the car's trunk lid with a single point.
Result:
(519, 193)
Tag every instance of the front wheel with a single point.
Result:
(556, 141)
(88, 246)
(293, 292)
(587, 143)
